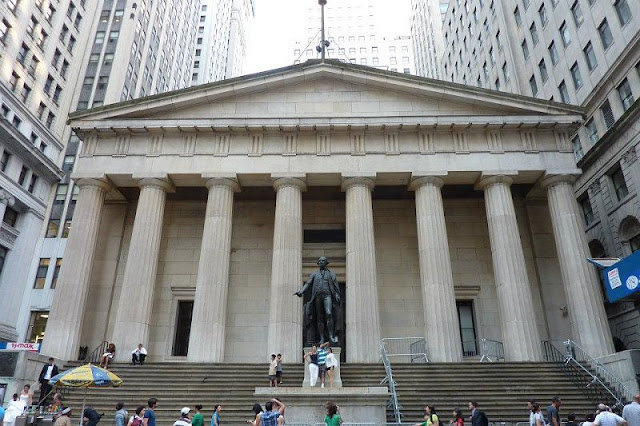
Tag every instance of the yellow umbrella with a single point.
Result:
(86, 376)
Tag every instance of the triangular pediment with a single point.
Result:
(327, 90)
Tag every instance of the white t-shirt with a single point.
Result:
(182, 422)
(607, 418)
(331, 360)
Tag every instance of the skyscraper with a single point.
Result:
(426, 33)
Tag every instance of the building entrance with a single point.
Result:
(183, 328)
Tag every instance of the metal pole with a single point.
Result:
(322, 46)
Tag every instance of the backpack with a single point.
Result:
(137, 421)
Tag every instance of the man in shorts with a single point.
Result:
(279, 369)
(273, 366)
(322, 362)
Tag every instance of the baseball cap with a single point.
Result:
(185, 410)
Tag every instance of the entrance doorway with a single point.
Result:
(309, 339)
(183, 328)
(467, 327)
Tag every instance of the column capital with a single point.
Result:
(102, 183)
(6, 198)
(229, 182)
(486, 180)
(164, 184)
(366, 179)
(284, 180)
(549, 180)
(419, 181)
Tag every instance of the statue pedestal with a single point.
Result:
(306, 405)
(337, 381)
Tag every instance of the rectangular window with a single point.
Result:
(564, 33)
(498, 41)
(516, 15)
(3, 256)
(4, 30)
(564, 94)
(592, 131)
(534, 85)
(542, 67)
(37, 325)
(525, 49)
(575, 75)
(23, 175)
(578, 19)
(505, 71)
(113, 36)
(32, 183)
(553, 53)
(607, 114)
(534, 33)
(108, 59)
(56, 272)
(542, 12)
(619, 184)
(623, 11)
(52, 228)
(577, 147)
(4, 160)
(10, 217)
(41, 273)
(587, 211)
(626, 96)
(590, 56)
(605, 34)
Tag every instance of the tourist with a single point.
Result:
(312, 358)
(108, 355)
(553, 412)
(138, 355)
(26, 396)
(215, 417)
(65, 418)
(14, 409)
(532, 421)
(49, 370)
(273, 366)
(478, 418)
(538, 417)
(607, 418)
(631, 411)
(571, 420)
(149, 418)
(57, 404)
(322, 362)
(331, 363)
(257, 409)
(121, 415)
(430, 417)
(138, 418)
(90, 416)
(332, 418)
(458, 418)
(589, 418)
(270, 415)
(279, 369)
(184, 417)
(197, 419)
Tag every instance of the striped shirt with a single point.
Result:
(322, 356)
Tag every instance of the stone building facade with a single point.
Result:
(202, 211)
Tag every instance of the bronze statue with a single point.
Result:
(324, 303)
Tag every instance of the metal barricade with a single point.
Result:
(406, 349)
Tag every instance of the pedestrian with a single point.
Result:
(26, 396)
(571, 420)
(90, 416)
(197, 419)
(108, 355)
(331, 363)
(215, 417)
(138, 418)
(270, 415)
(631, 411)
(538, 417)
(273, 366)
(532, 421)
(430, 417)
(14, 409)
(49, 370)
(553, 412)
(57, 404)
(478, 418)
(121, 415)
(279, 369)
(257, 409)
(184, 419)
(149, 418)
(607, 418)
(138, 355)
(312, 358)
(588, 419)
(332, 418)
(64, 419)
(458, 418)
(322, 362)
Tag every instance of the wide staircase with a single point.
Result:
(501, 389)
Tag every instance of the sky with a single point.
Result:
(271, 37)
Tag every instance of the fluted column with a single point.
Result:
(362, 314)
(285, 312)
(442, 328)
(6, 200)
(521, 338)
(584, 299)
(133, 316)
(62, 338)
(208, 322)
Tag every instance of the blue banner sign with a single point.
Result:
(623, 278)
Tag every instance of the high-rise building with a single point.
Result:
(221, 41)
(42, 43)
(426, 32)
(356, 34)
(584, 52)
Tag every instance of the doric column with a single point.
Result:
(6, 200)
(133, 316)
(521, 338)
(362, 313)
(442, 329)
(584, 299)
(64, 326)
(285, 313)
(208, 322)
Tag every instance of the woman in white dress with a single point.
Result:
(332, 363)
(14, 409)
(26, 397)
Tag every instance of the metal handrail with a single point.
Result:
(611, 383)
(394, 404)
(96, 354)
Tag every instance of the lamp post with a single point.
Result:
(322, 3)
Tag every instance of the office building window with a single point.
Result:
(587, 211)
(592, 131)
(23, 175)
(542, 67)
(3, 255)
(577, 147)
(578, 19)
(605, 34)
(534, 85)
(525, 49)
(505, 71)
(607, 114)
(32, 183)
(626, 96)
(619, 184)
(4, 160)
(623, 11)
(575, 75)
(542, 12)
(56, 272)
(534, 33)
(590, 56)
(41, 273)
(564, 33)
(37, 326)
(553, 53)
(516, 15)
(10, 217)
(564, 93)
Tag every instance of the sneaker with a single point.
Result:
(322, 385)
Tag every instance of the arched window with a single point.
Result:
(630, 232)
